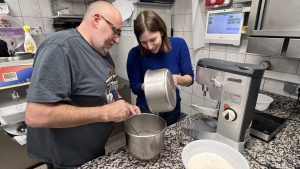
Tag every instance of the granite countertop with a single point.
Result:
(281, 152)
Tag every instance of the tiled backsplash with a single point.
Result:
(182, 27)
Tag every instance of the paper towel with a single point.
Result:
(198, 26)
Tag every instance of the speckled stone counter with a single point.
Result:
(281, 152)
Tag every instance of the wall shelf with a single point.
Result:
(282, 76)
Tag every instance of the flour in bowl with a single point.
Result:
(208, 160)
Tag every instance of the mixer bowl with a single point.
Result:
(232, 156)
(147, 140)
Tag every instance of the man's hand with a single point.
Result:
(121, 110)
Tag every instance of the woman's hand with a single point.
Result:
(176, 79)
(185, 80)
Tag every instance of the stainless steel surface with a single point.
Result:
(13, 155)
(160, 90)
(293, 49)
(265, 46)
(16, 58)
(274, 19)
(274, 16)
(204, 77)
(253, 16)
(281, 15)
(213, 112)
(130, 128)
(150, 141)
(236, 95)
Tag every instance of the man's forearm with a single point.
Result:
(62, 115)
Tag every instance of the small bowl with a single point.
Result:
(263, 102)
(231, 155)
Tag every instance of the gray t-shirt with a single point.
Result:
(67, 69)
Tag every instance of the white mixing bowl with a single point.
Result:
(263, 102)
(231, 155)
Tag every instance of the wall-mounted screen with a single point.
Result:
(224, 26)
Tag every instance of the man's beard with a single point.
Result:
(103, 51)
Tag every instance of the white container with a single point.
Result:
(263, 102)
(29, 44)
(231, 155)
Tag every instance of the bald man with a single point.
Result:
(68, 114)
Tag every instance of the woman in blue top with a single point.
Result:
(155, 51)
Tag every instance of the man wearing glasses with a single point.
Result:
(68, 113)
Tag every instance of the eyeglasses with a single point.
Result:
(117, 31)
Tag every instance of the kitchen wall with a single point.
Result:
(38, 13)
(282, 68)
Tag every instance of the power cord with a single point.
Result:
(295, 108)
(288, 118)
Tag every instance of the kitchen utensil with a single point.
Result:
(150, 139)
(263, 102)
(236, 159)
(131, 129)
(160, 90)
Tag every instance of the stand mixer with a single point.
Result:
(236, 87)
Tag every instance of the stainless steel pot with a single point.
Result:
(160, 90)
(148, 141)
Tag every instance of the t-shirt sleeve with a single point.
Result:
(51, 77)
(134, 72)
(186, 67)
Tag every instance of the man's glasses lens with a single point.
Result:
(117, 31)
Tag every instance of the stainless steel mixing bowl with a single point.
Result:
(160, 90)
(147, 141)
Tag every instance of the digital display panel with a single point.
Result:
(224, 23)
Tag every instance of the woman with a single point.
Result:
(155, 51)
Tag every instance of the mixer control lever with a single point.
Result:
(229, 114)
(204, 89)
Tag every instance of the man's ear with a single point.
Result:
(96, 19)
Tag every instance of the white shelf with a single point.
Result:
(282, 76)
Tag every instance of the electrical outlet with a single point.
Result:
(291, 87)
(36, 30)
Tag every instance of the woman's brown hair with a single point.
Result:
(152, 22)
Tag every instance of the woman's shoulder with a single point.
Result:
(134, 50)
(133, 54)
(177, 40)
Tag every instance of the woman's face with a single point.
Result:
(151, 41)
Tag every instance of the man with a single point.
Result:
(68, 114)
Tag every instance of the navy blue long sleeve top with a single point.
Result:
(178, 61)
